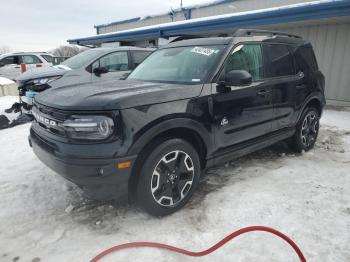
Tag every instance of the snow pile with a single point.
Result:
(307, 196)
(5, 81)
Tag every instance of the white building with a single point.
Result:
(325, 23)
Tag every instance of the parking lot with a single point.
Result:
(44, 218)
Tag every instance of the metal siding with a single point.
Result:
(230, 7)
(331, 44)
(240, 6)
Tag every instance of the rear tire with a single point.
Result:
(168, 177)
(306, 132)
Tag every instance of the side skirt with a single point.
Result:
(247, 147)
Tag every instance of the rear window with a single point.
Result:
(48, 58)
(278, 60)
(139, 56)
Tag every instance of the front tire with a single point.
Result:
(168, 177)
(307, 130)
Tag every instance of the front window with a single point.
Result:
(188, 65)
(82, 59)
(114, 62)
(246, 57)
(10, 60)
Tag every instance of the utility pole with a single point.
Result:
(181, 4)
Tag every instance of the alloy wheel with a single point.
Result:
(172, 178)
(309, 129)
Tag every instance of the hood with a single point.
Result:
(42, 72)
(115, 94)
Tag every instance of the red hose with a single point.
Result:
(205, 252)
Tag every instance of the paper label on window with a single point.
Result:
(204, 50)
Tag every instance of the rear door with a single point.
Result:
(116, 63)
(244, 112)
(283, 78)
(32, 62)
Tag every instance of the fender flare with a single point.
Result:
(314, 96)
(167, 125)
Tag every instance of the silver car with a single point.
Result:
(97, 64)
(10, 64)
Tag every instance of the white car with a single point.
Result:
(10, 64)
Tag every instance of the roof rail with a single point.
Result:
(250, 32)
(185, 37)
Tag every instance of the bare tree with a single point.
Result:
(66, 51)
(5, 49)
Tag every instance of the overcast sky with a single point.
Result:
(41, 25)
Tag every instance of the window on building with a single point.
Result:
(278, 60)
(30, 59)
(246, 57)
(117, 61)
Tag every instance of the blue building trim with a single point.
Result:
(302, 12)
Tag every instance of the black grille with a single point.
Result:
(52, 114)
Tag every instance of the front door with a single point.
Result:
(244, 112)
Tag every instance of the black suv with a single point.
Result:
(190, 105)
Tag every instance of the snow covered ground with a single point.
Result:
(44, 218)
(5, 81)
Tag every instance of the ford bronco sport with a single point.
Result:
(190, 105)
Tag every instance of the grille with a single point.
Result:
(53, 119)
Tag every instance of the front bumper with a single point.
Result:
(98, 177)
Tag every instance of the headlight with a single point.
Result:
(43, 81)
(89, 127)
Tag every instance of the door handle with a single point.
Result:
(263, 92)
(300, 86)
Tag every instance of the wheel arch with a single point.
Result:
(189, 130)
(316, 100)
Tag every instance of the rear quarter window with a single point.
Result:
(305, 58)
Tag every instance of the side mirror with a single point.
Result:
(1, 64)
(125, 76)
(238, 78)
(234, 78)
(100, 70)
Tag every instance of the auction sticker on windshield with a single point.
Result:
(204, 50)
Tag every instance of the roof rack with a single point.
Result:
(185, 37)
(251, 32)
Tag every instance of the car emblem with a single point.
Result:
(224, 121)
(47, 122)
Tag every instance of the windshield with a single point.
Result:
(189, 65)
(81, 60)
